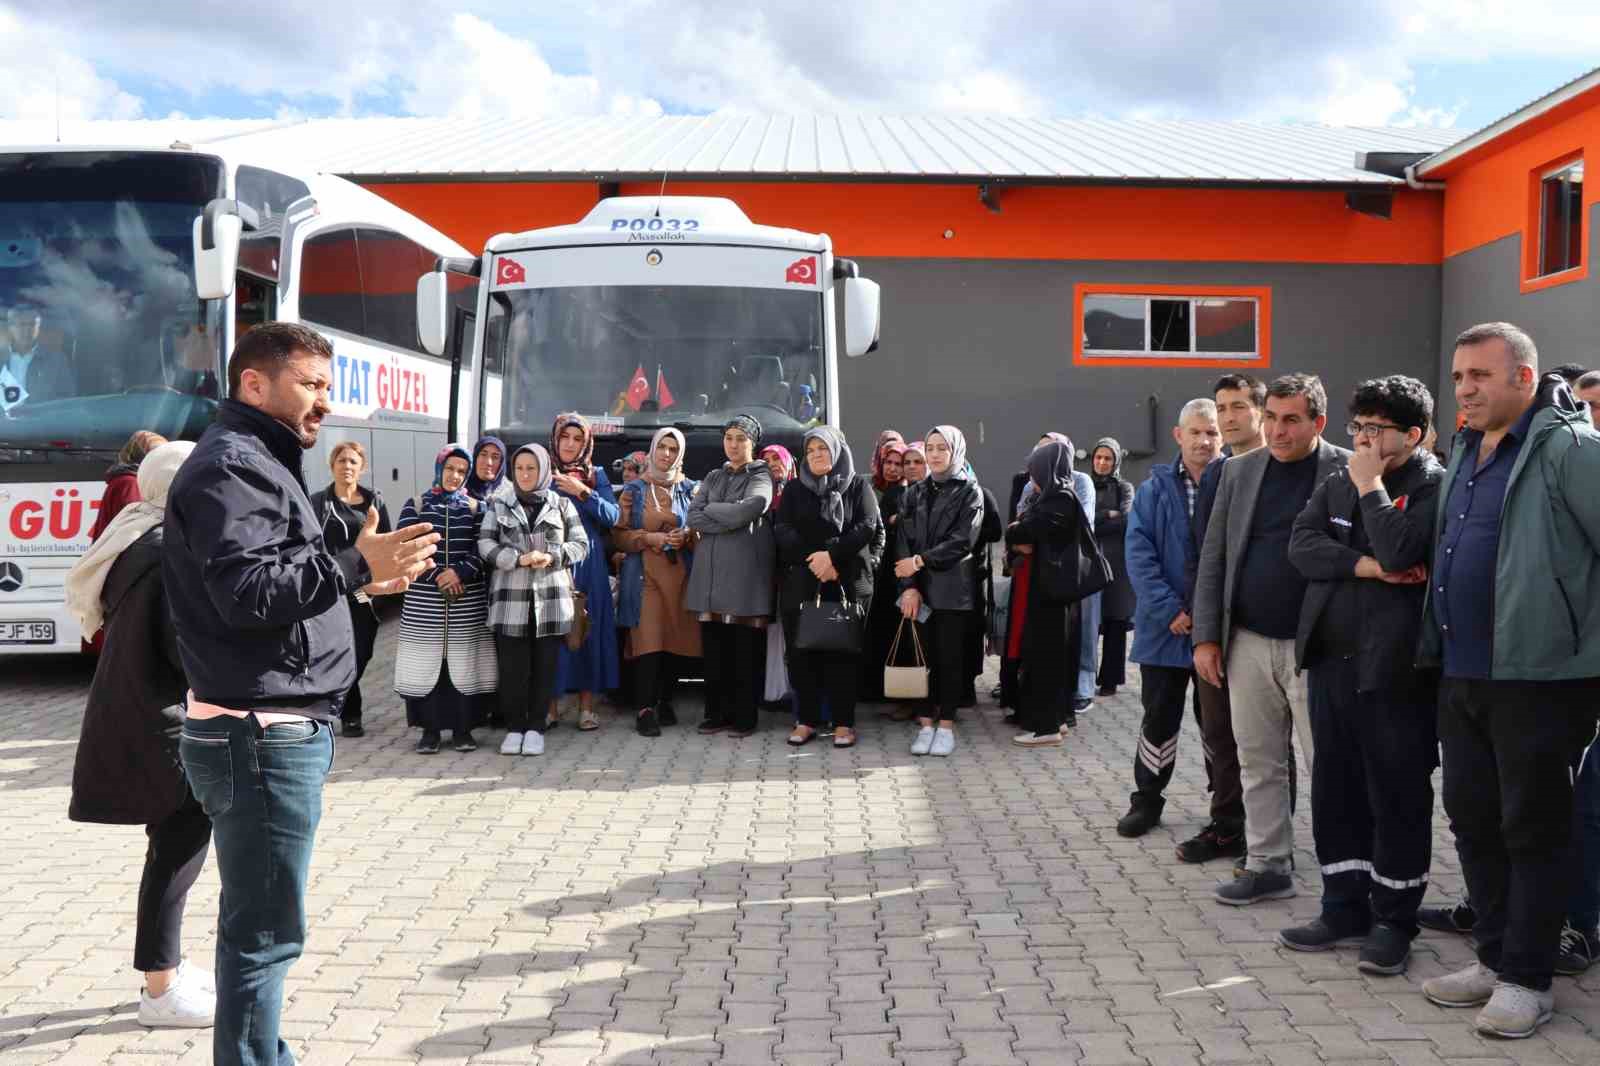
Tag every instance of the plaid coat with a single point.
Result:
(516, 591)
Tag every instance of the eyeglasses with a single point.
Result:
(1370, 430)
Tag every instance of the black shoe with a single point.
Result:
(551, 724)
(1012, 719)
(465, 742)
(712, 725)
(429, 744)
(738, 732)
(1212, 842)
(1106, 690)
(351, 728)
(666, 715)
(1082, 705)
(1318, 935)
(1386, 950)
(994, 693)
(495, 720)
(648, 725)
(1458, 919)
(1578, 951)
(1255, 886)
(1140, 819)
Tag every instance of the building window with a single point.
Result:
(1172, 325)
(1561, 219)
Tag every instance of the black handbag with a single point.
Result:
(830, 625)
(1072, 572)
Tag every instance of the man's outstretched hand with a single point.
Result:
(395, 559)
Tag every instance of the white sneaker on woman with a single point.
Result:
(532, 743)
(512, 744)
(186, 1004)
(944, 742)
(924, 741)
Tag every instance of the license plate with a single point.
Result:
(27, 632)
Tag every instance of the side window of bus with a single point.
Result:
(390, 267)
(330, 281)
(269, 192)
(255, 302)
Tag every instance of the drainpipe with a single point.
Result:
(1414, 182)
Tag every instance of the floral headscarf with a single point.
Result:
(454, 450)
(478, 488)
(886, 438)
(581, 468)
(781, 461)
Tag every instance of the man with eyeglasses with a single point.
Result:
(1362, 542)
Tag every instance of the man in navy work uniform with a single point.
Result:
(1513, 618)
(258, 604)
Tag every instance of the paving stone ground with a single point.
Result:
(695, 900)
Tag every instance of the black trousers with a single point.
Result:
(946, 634)
(1163, 690)
(527, 680)
(655, 678)
(734, 657)
(825, 676)
(1371, 795)
(364, 623)
(1113, 655)
(1509, 748)
(172, 860)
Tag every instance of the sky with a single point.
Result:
(1453, 63)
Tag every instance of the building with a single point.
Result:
(1083, 275)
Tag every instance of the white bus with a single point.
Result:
(103, 332)
(653, 311)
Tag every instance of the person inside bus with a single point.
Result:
(730, 586)
(657, 546)
(126, 770)
(343, 507)
(43, 374)
(593, 667)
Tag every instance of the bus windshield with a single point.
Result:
(101, 333)
(644, 355)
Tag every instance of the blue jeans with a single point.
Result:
(1088, 645)
(262, 790)
(1583, 910)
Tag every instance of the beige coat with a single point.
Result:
(665, 624)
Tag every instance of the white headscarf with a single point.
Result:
(957, 470)
(87, 578)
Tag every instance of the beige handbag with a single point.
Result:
(905, 682)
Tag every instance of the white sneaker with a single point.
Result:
(532, 743)
(1515, 1012)
(924, 742)
(188, 971)
(186, 1004)
(944, 742)
(512, 744)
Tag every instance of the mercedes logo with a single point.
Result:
(10, 577)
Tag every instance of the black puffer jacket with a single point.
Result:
(800, 530)
(257, 598)
(942, 522)
(127, 770)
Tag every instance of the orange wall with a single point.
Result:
(1111, 222)
(1487, 191)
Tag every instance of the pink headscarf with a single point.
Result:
(887, 437)
(919, 448)
(781, 461)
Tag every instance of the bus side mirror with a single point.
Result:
(860, 316)
(433, 311)
(216, 246)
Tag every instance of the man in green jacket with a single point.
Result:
(1513, 621)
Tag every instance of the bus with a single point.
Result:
(649, 312)
(108, 327)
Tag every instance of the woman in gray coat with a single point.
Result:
(730, 587)
(1113, 495)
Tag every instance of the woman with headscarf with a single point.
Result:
(653, 533)
(914, 463)
(446, 656)
(730, 587)
(829, 538)
(126, 770)
(885, 615)
(941, 519)
(122, 488)
(881, 479)
(532, 539)
(593, 667)
(343, 506)
(777, 688)
(1049, 634)
(1113, 501)
(488, 471)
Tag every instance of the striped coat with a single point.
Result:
(515, 590)
(433, 631)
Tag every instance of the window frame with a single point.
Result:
(1533, 227)
(1261, 294)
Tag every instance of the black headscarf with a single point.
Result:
(748, 424)
(1050, 468)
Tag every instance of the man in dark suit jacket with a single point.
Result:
(1247, 612)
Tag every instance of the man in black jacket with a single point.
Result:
(266, 644)
(1363, 542)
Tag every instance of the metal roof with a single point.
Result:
(1548, 102)
(849, 147)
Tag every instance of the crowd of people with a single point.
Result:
(1378, 605)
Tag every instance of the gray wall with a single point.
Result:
(987, 345)
(1485, 285)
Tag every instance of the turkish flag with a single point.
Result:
(638, 389)
(663, 394)
(802, 271)
(510, 272)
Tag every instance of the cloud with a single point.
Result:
(44, 81)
